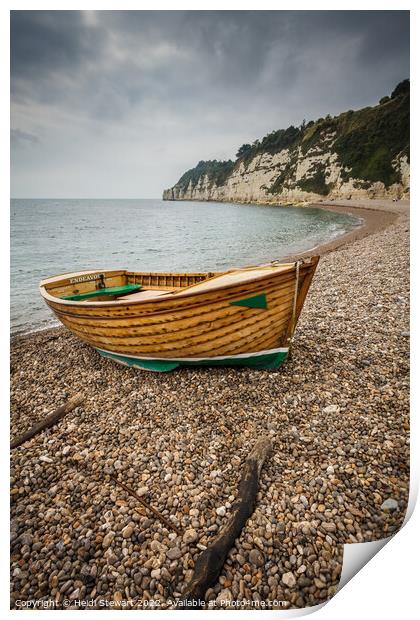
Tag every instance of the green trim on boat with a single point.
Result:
(112, 290)
(265, 361)
(257, 301)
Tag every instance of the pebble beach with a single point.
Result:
(337, 414)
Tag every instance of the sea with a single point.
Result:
(50, 237)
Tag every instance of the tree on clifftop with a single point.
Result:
(243, 150)
(402, 88)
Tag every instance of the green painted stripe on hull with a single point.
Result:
(265, 361)
(257, 301)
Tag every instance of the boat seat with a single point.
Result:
(115, 291)
(144, 294)
(236, 276)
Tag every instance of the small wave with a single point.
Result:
(23, 329)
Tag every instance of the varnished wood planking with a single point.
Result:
(185, 318)
(177, 332)
(207, 330)
(243, 341)
(167, 280)
(201, 335)
(194, 323)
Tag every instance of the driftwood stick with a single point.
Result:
(210, 562)
(56, 337)
(142, 501)
(50, 420)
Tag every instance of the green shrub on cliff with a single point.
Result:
(315, 184)
(274, 142)
(243, 151)
(403, 88)
(217, 172)
(369, 141)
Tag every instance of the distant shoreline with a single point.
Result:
(376, 215)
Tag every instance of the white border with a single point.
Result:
(387, 586)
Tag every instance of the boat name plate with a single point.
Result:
(88, 278)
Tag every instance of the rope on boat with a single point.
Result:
(295, 296)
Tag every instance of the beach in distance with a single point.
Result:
(337, 415)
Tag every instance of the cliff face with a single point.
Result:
(361, 154)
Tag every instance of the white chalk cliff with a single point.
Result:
(252, 182)
(362, 154)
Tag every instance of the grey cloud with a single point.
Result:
(186, 84)
(43, 41)
(19, 137)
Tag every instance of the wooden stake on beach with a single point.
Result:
(210, 562)
(49, 421)
(157, 514)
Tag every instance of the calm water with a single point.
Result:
(56, 236)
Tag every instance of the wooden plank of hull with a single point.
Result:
(195, 318)
(266, 340)
(204, 330)
(230, 316)
(186, 337)
(218, 342)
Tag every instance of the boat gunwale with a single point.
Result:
(309, 262)
(68, 274)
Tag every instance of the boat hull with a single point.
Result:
(239, 318)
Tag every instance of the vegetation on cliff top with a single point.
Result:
(217, 172)
(366, 142)
(273, 142)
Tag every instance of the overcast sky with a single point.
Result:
(119, 104)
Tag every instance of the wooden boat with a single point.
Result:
(159, 321)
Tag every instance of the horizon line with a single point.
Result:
(80, 198)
